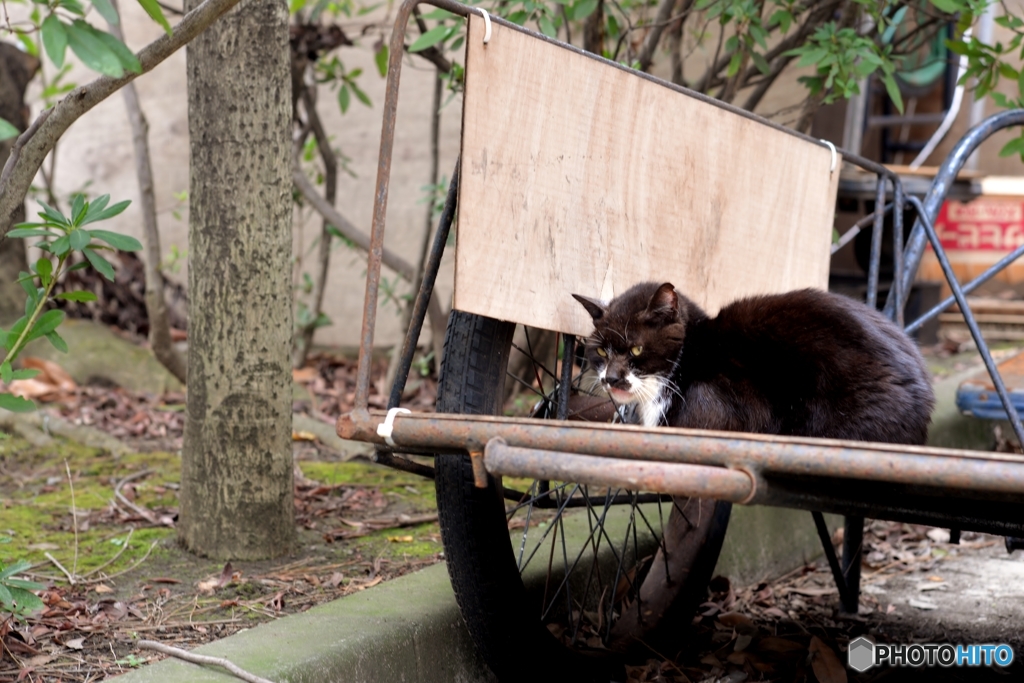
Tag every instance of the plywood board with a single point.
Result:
(578, 176)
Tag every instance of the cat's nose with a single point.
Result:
(614, 379)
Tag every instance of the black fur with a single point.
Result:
(804, 363)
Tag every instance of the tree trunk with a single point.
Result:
(16, 70)
(236, 483)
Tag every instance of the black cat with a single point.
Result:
(804, 363)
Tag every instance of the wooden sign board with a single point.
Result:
(578, 176)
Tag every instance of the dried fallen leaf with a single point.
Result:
(303, 436)
(825, 663)
(740, 622)
(922, 604)
(103, 588)
(400, 539)
(75, 643)
(777, 644)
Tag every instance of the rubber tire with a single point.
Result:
(480, 559)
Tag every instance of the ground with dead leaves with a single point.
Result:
(99, 531)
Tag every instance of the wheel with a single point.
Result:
(588, 572)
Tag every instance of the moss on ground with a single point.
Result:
(36, 510)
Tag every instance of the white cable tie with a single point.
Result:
(387, 427)
(832, 148)
(487, 24)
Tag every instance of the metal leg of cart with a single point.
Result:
(846, 574)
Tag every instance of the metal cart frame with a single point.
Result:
(858, 480)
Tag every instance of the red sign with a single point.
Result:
(985, 224)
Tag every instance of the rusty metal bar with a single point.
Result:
(380, 198)
(991, 473)
(678, 479)
(875, 263)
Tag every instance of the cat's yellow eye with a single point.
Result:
(601, 352)
(636, 350)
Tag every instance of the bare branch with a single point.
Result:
(390, 259)
(330, 160)
(33, 145)
(661, 21)
(192, 657)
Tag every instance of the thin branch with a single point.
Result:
(35, 143)
(390, 259)
(124, 571)
(330, 161)
(232, 668)
(59, 566)
(74, 515)
(661, 21)
(156, 306)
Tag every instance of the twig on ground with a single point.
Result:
(74, 517)
(203, 660)
(123, 571)
(124, 546)
(59, 566)
(141, 511)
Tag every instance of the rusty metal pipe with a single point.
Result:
(678, 479)
(968, 471)
(380, 198)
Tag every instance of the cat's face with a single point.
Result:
(636, 341)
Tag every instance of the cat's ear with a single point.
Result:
(594, 307)
(664, 303)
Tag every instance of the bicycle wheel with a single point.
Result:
(592, 572)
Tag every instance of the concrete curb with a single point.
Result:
(408, 630)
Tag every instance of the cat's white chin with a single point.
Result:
(621, 396)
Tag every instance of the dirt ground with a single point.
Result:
(98, 529)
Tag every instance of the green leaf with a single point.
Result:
(6, 372)
(15, 568)
(127, 58)
(58, 342)
(79, 239)
(27, 373)
(433, 37)
(27, 602)
(93, 52)
(1014, 146)
(45, 269)
(30, 232)
(77, 208)
(760, 63)
(52, 214)
(61, 246)
(99, 263)
(947, 6)
(156, 14)
(894, 91)
(6, 599)
(381, 58)
(117, 240)
(81, 296)
(583, 9)
(360, 95)
(16, 404)
(25, 584)
(546, 27)
(55, 40)
(47, 323)
(8, 130)
(344, 98)
(105, 213)
(106, 11)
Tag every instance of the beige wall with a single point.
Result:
(98, 149)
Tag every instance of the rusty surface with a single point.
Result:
(476, 459)
(678, 479)
(762, 455)
(380, 197)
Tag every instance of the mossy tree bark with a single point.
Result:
(236, 485)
